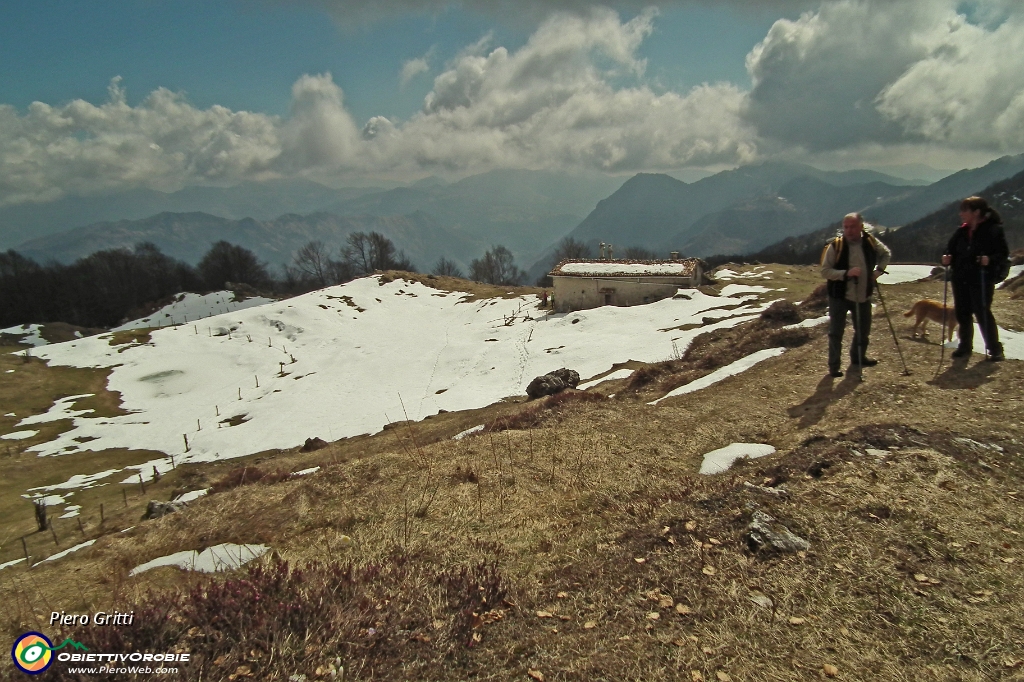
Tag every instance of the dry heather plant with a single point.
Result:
(277, 619)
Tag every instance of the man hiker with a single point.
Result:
(851, 264)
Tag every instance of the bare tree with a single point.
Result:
(313, 261)
(496, 267)
(364, 253)
(447, 268)
(357, 252)
(570, 248)
(226, 262)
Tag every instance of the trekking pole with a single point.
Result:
(857, 331)
(906, 371)
(942, 341)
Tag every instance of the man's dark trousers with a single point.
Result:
(837, 310)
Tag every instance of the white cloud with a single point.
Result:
(853, 79)
(162, 142)
(350, 12)
(867, 72)
(555, 102)
(552, 103)
(968, 92)
(413, 68)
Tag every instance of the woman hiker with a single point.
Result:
(978, 253)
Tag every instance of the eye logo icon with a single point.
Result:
(32, 653)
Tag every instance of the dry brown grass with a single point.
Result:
(596, 519)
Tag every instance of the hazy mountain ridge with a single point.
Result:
(920, 241)
(188, 236)
(523, 210)
(259, 200)
(745, 209)
(657, 212)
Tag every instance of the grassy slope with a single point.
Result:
(596, 516)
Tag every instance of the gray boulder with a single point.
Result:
(764, 532)
(553, 382)
(155, 509)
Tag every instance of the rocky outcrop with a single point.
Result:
(312, 444)
(553, 382)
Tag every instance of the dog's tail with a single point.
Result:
(909, 312)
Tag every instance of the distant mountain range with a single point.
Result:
(188, 236)
(522, 210)
(259, 200)
(922, 240)
(741, 211)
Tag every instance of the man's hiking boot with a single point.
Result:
(835, 372)
(961, 353)
(996, 355)
(865, 362)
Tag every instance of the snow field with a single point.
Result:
(365, 354)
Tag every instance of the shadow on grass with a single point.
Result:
(812, 409)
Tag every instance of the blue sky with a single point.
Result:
(245, 55)
(221, 92)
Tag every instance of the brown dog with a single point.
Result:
(926, 309)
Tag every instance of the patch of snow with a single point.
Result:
(11, 563)
(756, 273)
(10, 414)
(717, 461)
(50, 500)
(30, 334)
(18, 435)
(617, 374)
(810, 322)
(737, 289)
(1013, 343)
(306, 472)
(61, 409)
(189, 308)
(78, 481)
(71, 512)
(60, 555)
(193, 495)
(612, 268)
(225, 557)
(721, 373)
(898, 274)
(468, 432)
(1014, 271)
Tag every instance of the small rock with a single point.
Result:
(312, 444)
(155, 509)
(765, 532)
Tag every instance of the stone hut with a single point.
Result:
(582, 284)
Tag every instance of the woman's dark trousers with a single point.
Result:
(972, 300)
